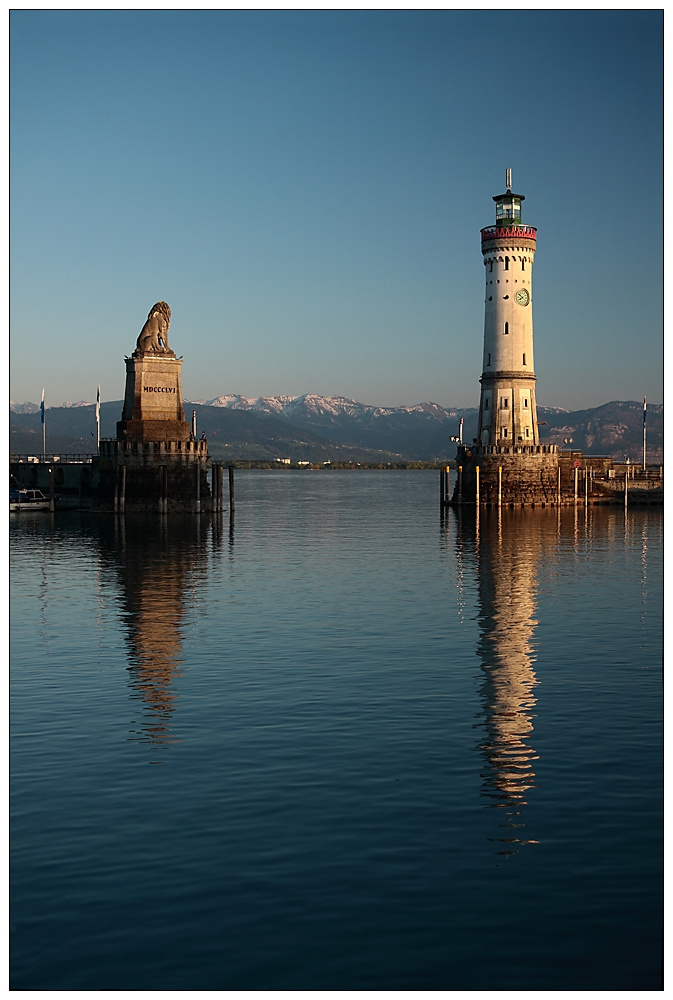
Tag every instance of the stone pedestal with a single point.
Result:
(529, 474)
(153, 465)
(153, 409)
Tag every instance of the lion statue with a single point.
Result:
(155, 329)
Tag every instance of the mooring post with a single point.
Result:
(442, 491)
(220, 487)
(448, 484)
(163, 504)
(231, 489)
(52, 498)
(213, 491)
(460, 484)
(122, 490)
(500, 486)
(477, 494)
(197, 488)
(115, 502)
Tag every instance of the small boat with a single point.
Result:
(22, 499)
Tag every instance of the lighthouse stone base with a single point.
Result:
(529, 474)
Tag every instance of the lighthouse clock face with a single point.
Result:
(522, 297)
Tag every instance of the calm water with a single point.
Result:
(349, 743)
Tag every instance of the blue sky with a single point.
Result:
(306, 189)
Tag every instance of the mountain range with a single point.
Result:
(333, 428)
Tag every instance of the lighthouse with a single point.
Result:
(507, 414)
(506, 464)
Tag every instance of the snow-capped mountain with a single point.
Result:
(312, 405)
(415, 430)
(34, 407)
(23, 407)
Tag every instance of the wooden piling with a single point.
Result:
(231, 489)
(197, 488)
(122, 490)
(460, 484)
(52, 497)
(163, 502)
(213, 476)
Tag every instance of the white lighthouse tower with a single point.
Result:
(507, 414)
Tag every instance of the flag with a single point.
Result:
(42, 407)
(645, 410)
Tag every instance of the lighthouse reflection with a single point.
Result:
(159, 561)
(507, 546)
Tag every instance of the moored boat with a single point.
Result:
(23, 499)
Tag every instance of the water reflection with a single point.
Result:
(506, 547)
(159, 562)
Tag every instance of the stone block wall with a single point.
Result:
(529, 476)
(149, 453)
(143, 488)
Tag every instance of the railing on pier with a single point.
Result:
(50, 458)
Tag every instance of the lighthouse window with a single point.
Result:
(507, 263)
(504, 431)
(504, 403)
(485, 404)
(527, 432)
(488, 363)
(523, 264)
(524, 359)
(525, 402)
(506, 328)
(491, 265)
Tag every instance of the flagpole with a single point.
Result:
(44, 450)
(644, 433)
(98, 419)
